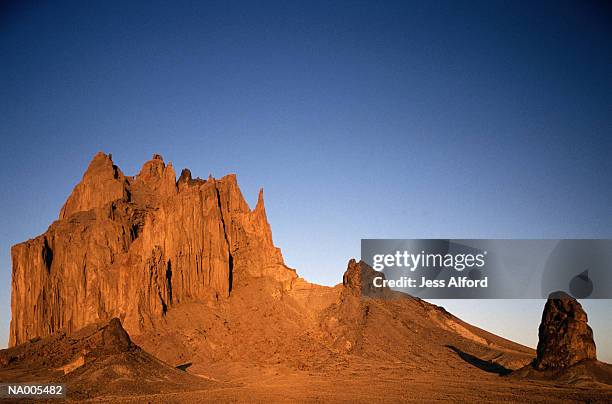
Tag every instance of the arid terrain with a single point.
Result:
(150, 288)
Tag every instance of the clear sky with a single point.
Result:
(360, 120)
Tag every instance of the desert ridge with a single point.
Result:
(154, 288)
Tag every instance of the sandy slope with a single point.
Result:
(330, 344)
(308, 343)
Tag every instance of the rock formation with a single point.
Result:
(359, 279)
(131, 247)
(62, 352)
(214, 314)
(99, 359)
(565, 338)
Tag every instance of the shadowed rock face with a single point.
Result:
(99, 359)
(114, 336)
(131, 247)
(64, 352)
(565, 338)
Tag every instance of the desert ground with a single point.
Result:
(153, 289)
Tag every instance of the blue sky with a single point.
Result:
(360, 120)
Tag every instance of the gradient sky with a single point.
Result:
(360, 120)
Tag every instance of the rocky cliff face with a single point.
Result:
(565, 338)
(132, 247)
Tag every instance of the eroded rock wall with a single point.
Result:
(132, 247)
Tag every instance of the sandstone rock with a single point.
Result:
(132, 247)
(352, 276)
(344, 320)
(565, 338)
(99, 359)
(115, 338)
(5, 358)
(359, 279)
(103, 182)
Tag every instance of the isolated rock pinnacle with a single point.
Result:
(565, 338)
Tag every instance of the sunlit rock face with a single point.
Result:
(133, 247)
(565, 338)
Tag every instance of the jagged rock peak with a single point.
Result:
(153, 168)
(352, 276)
(158, 177)
(358, 279)
(186, 179)
(260, 206)
(102, 182)
(565, 338)
(185, 175)
(102, 156)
